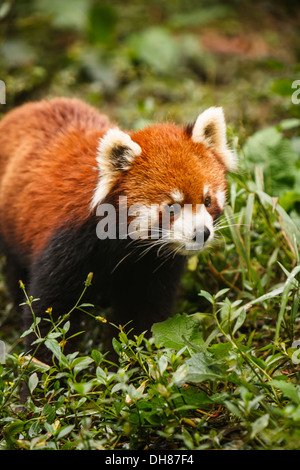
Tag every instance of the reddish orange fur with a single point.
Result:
(48, 168)
(171, 160)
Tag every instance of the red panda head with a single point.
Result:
(173, 179)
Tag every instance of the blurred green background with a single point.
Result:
(142, 61)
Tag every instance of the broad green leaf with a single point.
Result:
(157, 48)
(82, 388)
(233, 408)
(65, 431)
(62, 15)
(200, 368)
(220, 350)
(287, 124)
(172, 332)
(206, 295)
(81, 363)
(288, 389)
(11, 429)
(54, 347)
(220, 293)
(162, 364)
(180, 375)
(260, 424)
(96, 356)
(49, 412)
(282, 87)
(33, 381)
(102, 20)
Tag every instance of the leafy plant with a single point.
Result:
(279, 160)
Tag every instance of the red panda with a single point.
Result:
(61, 162)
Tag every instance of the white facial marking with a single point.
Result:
(108, 172)
(177, 196)
(221, 198)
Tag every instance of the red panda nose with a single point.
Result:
(201, 235)
(206, 233)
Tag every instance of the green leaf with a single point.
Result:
(287, 124)
(248, 221)
(240, 320)
(236, 236)
(200, 367)
(54, 347)
(288, 389)
(12, 429)
(82, 388)
(180, 375)
(220, 293)
(33, 381)
(66, 327)
(260, 424)
(282, 87)
(62, 15)
(220, 350)
(156, 48)
(207, 296)
(34, 429)
(288, 199)
(176, 331)
(81, 363)
(96, 356)
(49, 412)
(233, 409)
(65, 431)
(101, 375)
(32, 327)
(102, 23)
(162, 364)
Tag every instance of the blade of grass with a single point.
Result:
(285, 297)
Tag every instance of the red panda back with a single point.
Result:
(47, 154)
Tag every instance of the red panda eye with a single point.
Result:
(207, 201)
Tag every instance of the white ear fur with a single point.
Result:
(210, 129)
(116, 153)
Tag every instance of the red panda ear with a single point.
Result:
(210, 129)
(116, 153)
